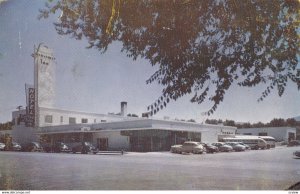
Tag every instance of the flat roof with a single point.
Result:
(138, 124)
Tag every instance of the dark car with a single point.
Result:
(85, 148)
(294, 143)
(236, 147)
(223, 147)
(32, 147)
(210, 148)
(297, 154)
(57, 147)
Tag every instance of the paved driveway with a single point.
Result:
(274, 169)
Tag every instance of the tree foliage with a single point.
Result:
(276, 122)
(6, 126)
(200, 47)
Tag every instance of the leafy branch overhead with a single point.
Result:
(201, 47)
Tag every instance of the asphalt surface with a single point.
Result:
(274, 169)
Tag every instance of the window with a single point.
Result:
(94, 120)
(84, 120)
(262, 134)
(61, 119)
(72, 120)
(103, 121)
(48, 119)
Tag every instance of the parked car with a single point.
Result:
(57, 147)
(247, 146)
(32, 147)
(85, 148)
(208, 148)
(13, 146)
(61, 147)
(188, 147)
(297, 154)
(294, 143)
(236, 147)
(2, 146)
(16, 146)
(223, 147)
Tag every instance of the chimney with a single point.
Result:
(123, 108)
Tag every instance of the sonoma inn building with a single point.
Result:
(114, 132)
(39, 121)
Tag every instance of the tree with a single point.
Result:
(211, 121)
(200, 47)
(244, 125)
(258, 125)
(6, 126)
(291, 122)
(191, 120)
(229, 123)
(277, 122)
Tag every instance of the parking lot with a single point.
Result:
(273, 169)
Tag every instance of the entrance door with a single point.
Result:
(102, 144)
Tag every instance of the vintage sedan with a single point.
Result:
(210, 148)
(223, 147)
(188, 147)
(296, 154)
(236, 146)
(32, 147)
(85, 148)
(247, 146)
(16, 146)
(57, 147)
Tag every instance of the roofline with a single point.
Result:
(82, 112)
(119, 130)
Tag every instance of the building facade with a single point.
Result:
(114, 132)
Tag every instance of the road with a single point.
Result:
(274, 169)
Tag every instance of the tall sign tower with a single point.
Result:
(44, 79)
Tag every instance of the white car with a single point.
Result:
(188, 147)
(2, 146)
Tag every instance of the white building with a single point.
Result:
(279, 133)
(114, 132)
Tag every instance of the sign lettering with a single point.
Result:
(29, 121)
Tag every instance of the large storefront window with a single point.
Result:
(157, 140)
(66, 137)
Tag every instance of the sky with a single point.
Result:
(89, 81)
